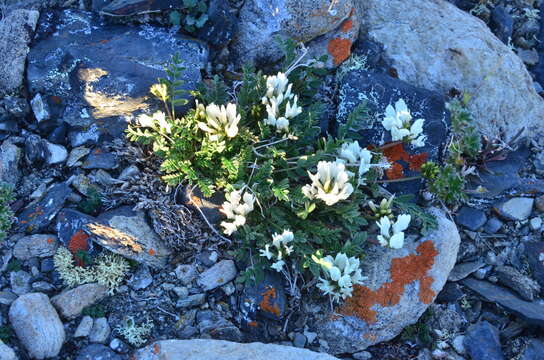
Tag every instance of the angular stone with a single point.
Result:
(98, 352)
(10, 158)
(56, 154)
(218, 275)
(199, 349)
(40, 108)
(99, 159)
(471, 218)
(100, 331)
(401, 285)
(516, 209)
(186, 273)
(70, 230)
(76, 154)
(20, 282)
(84, 327)
(37, 216)
(221, 25)
(512, 278)
(141, 279)
(127, 233)
(70, 303)
(100, 74)
(379, 91)
(535, 256)
(435, 45)
(212, 323)
(37, 245)
(37, 325)
(461, 271)
(261, 21)
(7, 297)
(482, 342)
(531, 312)
(267, 299)
(16, 31)
(191, 301)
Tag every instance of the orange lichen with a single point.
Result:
(403, 271)
(78, 242)
(346, 25)
(151, 252)
(267, 304)
(340, 49)
(156, 349)
(97, 151)
(253, 324)
(398, 153)
(50, 240)
(56, 99)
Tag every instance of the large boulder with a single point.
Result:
(400, 285)
(377, 91)
(437, 46)
(16, 32)
(37, 325)
(93, 76)
(199, 349)
(333, 25)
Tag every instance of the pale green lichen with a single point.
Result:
(109, 270)
(133, 333)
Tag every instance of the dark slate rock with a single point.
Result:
(535, 256)
(209, 206)
(99, 159)
(493, 225)
(533, 351)
(381, 90)
(36, 217)
(141, 279)
(221, 24)
(450, 293)
(461, 271)
(70, 230)
(515, 280)
(501, 23)
(98, 351)
(531, 312)
(374, 52)
(135, 7)
(58, 135)
(35, 150)
(482, 342)
(84, 136)
(101, 73)
(266, 299)
(210, 322)
(500, 175)
(471, 218)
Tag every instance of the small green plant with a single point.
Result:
(92, 203)
(6, 214)
(419, 331)
(94, 311)
(193, 16)
(295, 201)
(5, 334)
(14, 265)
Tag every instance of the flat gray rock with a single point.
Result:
(198, 349)
(219, 274)
(37, 245)
(71, 302)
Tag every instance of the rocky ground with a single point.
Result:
(73, 73)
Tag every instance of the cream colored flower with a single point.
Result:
(398, 120)
(221, 121)
(280, 249)
(281, 103)
(341, 273)
(393, 240)
(330, 184)
(352, 154)
(236, 209)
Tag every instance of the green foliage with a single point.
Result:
(193, 16)
(6, 214)
(92, 203)
(406, 205)
(420, 331)
(242, 152)
(5, 334)
(14, 265)
(448, 182)
(95, 311)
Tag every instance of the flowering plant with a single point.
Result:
(398, 120)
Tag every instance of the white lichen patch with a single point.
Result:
(133, 333)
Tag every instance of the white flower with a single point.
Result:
(330, 183)
(354, 155)
(157, 118)
(280, 248)
(277, 100)
(235, 209)
(398, 120)
(341, 273)
(396, 239)
(145, 120)
(221, 121)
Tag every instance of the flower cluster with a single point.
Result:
(158, 118)
(394, 240)
(220, 122)
(236, 208)
(384, 209)
(352, 154)
(277, 100)
(341, 274)
(280, 249)
(330, 184)
(398, 120)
